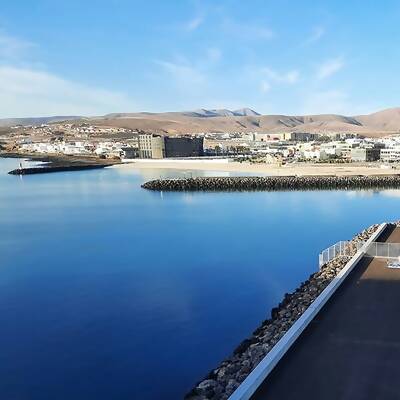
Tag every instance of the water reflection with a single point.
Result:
(159, 173)
(360, 193)
(391, 193)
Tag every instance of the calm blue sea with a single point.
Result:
(108, 291)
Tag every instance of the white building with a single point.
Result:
(309, 151)
(337, 149)
(390, 155)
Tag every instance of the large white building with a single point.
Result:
(151, 146)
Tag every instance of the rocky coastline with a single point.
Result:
(222, 381)
(275, 183)
(46, 169)
(57, 163)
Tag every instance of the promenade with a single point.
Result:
(351, 350)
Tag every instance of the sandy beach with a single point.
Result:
(265, 169)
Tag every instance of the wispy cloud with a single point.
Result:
(265, 86)
(28, 92)
(329, 68)
(191, 74)
(198, 17)
(194, 23)
(183, 74)
(269, 77)
(288, 78)
(317, 33)
(12, 48)
(247, 30)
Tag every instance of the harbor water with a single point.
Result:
(110, 291)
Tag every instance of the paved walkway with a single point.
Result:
(351, 350)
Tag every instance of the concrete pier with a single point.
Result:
(351, 349)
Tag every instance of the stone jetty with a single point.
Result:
(221, 382)
(57, 163)
(47, 169)
(275, 183)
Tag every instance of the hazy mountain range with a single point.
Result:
(246, 120)
(35, 120)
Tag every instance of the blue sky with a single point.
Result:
(277, 57)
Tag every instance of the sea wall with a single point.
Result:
(275, 183)
(221, 382)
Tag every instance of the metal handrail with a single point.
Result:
(340, 249)
(383, 250)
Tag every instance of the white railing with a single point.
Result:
(342, 248)
(385, 250)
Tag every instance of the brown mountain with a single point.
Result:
(247, 120)
(377, 124)
(5, 122)
(383, 120)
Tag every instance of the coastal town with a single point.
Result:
(122, 144)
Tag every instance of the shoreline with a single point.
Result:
(57, 158)
(223, 380)
(45, 169)
(292, 169)
(57, 163)
(217, 165)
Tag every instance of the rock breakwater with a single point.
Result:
(47, 169)
(221, 382)
(275, 183)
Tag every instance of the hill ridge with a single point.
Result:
(241, 120)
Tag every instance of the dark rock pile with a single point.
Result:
(223, 381)
(275, 183)
(47, 169)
